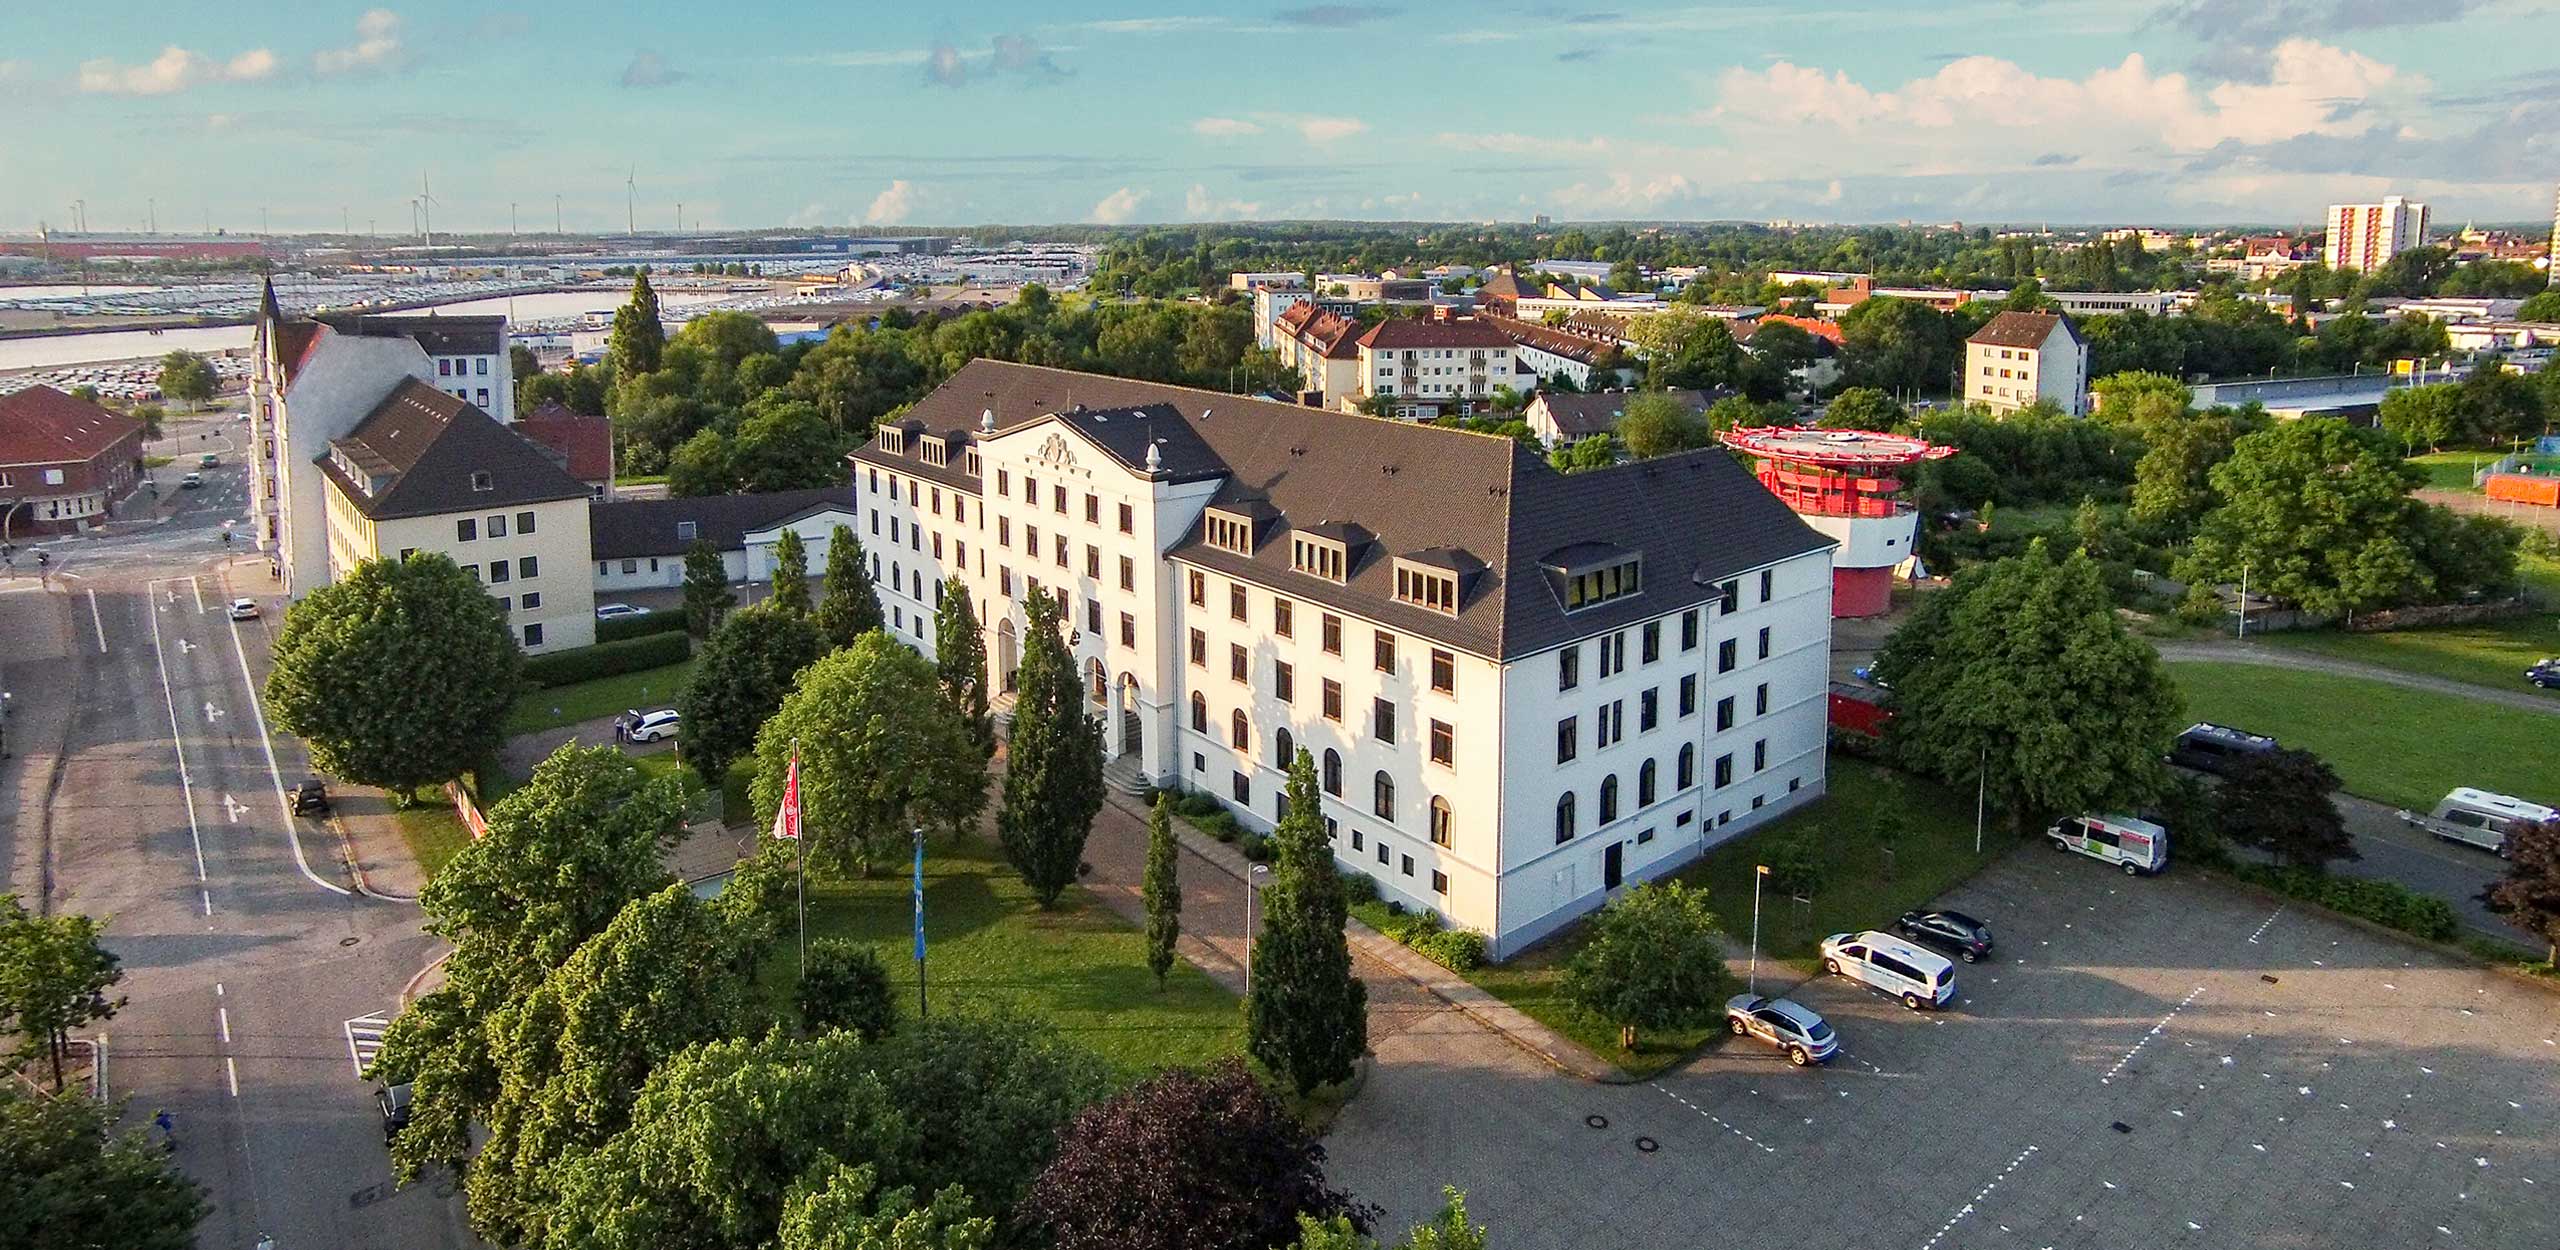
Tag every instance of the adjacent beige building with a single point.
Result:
(2019, 358)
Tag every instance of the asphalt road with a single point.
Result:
(147, 790)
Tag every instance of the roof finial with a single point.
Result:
(987, 420)
(1155, 456)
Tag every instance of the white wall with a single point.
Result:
(346, 377)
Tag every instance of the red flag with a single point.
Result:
(786, 821)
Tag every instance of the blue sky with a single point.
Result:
(1150, 110)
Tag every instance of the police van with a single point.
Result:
(2479, 818)
(2138, 846)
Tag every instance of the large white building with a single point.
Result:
(2019, 358)
(2366, 236)
(1524, 690)
(1427, 367)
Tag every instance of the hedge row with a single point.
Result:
(606, 659)
(1458, 950)
(1213, 818)
(641, 626)
(2382, 902)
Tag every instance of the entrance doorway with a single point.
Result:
(1008, 654)
(1613, 865)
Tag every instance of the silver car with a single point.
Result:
(1789, 1026)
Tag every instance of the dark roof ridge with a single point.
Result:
(1220, 395)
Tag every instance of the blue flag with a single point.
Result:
(919, 900)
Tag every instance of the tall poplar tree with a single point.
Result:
(639, 339)
(1162, 889)
(847, 606)
(1053, 761)
(960, 659)
(791, 573)
(707, 598)
(1308, 1016)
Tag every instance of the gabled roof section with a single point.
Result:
(421, 452)
(584, 443)
(1579, 415)
(438, 335)
(625, 529)
(295, 341)
(1398, 333)
(41, 425)
(2022, 329)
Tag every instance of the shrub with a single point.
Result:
(844, 987)
(1458, 950)
(2384, 903)
(621, 628)
(607, 659)
(1359, 887)
(1258, 847)
(737, 805)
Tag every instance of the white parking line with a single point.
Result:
(1978, 1196)
(232, 1071)
(2110, 1077)
(1720, 1121)
(2262, 929)
(98, 621)
(364, 1040)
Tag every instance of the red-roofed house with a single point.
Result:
(64, 462)
(582, 444)
(1427, 367)
(1322, 347)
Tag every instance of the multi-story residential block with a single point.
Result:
(64, 462)
(427, 471)
(1427, 367)
(1323, 347)
(2018, 358)
(1541, 352)
(1522, 690)
(470, 354)
(2366, 236)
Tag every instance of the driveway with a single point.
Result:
(2142, 1062)
(2229, 651)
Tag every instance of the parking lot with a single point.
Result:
(2140, 1061)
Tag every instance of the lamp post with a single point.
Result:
(1752, 983)
(1981, 779)
(1253, 879)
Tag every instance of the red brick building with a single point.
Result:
(64, 462)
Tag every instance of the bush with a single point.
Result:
(1458, 950)
(844, 987)
(1358, 887)
(737, 806)
(625, 627)
(606, 659)
(2383, 902)
(1257, 847)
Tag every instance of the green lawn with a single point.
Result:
(586, 700)
(432, 830)
(1080, 966)
(2495, 653)
(2452, 470)
(2393, 745)
(1857, 895)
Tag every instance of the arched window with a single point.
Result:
(1199, 713)
(1382, 797)
(937, 594)
(1095, 683)
(1439, 821)
(1645, 778)
(1688, 765)
(1608, 799)
(1284, 750)
(918, 578)
(1239, 734)
(896, 578)
(875, 567)
(1564, 817)
(1332, 772)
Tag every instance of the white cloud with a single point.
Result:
(649, 70)
(1199, 205)
(377, 46)
(1118, 207)
(1224, 127)
(1519, 144)
(1328, 129)
(175, 69)
(892, 205)
(1625, 193)
(1147, 25)
(811, 214)
(1313, 128)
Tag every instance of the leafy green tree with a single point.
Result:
(1592, 451)
(1449, 1230)
(2543, 307)
(1307, 1018)
(739, 679)
(639, 340)
(1162, 889)
(2173, 483)
(844, 987)
(565, 852)
(2022, 674)
(1784, 347)
(1222, 1165)
(848, 608)
(880, 754)
(1898, 345)
(187, 378)
(54, 977)
(2529, 895)
(838, 1210)
(1053, 761)
(1861, 408)
(787, 444)
(2498, 406)
(151, 416)
(1656, 424)
(2423, 416)
(960, 662)
(2284, 802)
(1652, 962)
(702, 465)
(791, 573)
(989, 1095)
(75, 1183)
(707, 597)
(398, 675)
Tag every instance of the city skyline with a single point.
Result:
(2071, 112)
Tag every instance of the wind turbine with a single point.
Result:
(427, 213)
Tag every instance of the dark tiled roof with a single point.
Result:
(1598, 413)
(2022, 329)
(440, 336)
(424, 447)
(1396, 333)
(1550, 340)
(585, 442)
(41, 425)
(628, 528)
(1390, 489)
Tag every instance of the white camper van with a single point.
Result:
(2479, 818)
(2139, 846)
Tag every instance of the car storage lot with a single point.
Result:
(2371, 1094)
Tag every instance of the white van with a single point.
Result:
(1884, 962)
(2138, 845)
(2479, 818)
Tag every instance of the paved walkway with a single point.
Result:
(2230, 651)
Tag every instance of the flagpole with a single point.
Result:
(919, 889)
(800, 870)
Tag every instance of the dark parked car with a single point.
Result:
(393, 1100)
(310, 797)
(1954, 932)
(2544, 673)
(2217, 749)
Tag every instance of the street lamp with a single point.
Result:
(1752, 984)
(1253, 879)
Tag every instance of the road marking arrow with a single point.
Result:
(234, 807)
(211, 712)
(185, 646)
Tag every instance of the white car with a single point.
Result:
(616, 611)
(651, 726)
(244, 609)
(1891, 966)
(1785, 1024)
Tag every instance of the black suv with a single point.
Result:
(310, 797)
(1954, 932)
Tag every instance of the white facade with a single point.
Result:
(2005, 379)
(484, 382)
(2366, 236)
(345, 376)
(1197, 675)
(529, 557)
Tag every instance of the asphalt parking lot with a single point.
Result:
(2141, 1061)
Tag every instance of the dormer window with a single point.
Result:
(971, 464)
(685, 531)
(1227, 533)
(893, 440)
(480, 480)
(935, 451)
(1600, 585)
(1320, 557)
(1427, 588)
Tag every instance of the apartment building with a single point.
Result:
(64, 462)
(2366, 236)
(2019, 358)
(1323, 347)
(470, 354)
(1429, 367)
(1524, 690)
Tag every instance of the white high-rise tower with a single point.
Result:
(2365, 237)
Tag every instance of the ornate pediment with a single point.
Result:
(1056, 450)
